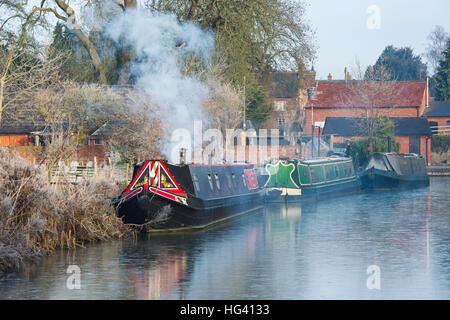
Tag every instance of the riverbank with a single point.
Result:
(36, 219)
(438, 171)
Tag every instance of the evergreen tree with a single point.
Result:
(257, 107)
(78, 65)
(400, 64)
(443, 77)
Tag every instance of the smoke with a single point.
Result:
(161, 43)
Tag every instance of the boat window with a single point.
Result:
(210, 182)
(313, 175)
(217, 181)
(336, 171)
(243, 179)
(230, 184)
(327, 172)
(196, 183)
(234, 180)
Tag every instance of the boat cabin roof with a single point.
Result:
(404, 155)
(325, 160)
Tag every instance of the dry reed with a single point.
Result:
(35, 218)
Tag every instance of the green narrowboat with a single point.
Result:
(293, 180)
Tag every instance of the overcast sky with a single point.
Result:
(346, 30)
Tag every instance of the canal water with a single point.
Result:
(311, 251)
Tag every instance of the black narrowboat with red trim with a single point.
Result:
(168, 197)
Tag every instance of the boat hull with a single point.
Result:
(324, 191)
(294, 180)
(158, 214)
(387, 171)
(374, 179)
(168, 197)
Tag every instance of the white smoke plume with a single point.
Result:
(160, 41)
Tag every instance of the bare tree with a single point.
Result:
(372, 92)
(21, 73)
(67, 14)
(70, 112)
(437, 44)
(225, 105)
(133, 129)
(62, 10)
(123, 116)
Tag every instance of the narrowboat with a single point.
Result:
(169, 197)
(294, 180)
(385, 171)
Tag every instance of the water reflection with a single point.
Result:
(309, 251)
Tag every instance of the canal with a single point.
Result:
(311, 251)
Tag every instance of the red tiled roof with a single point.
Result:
(363, 94)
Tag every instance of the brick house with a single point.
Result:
(288, 95)
(17, 136)
(20, 127)
(438, 115)
(413, 133)
(23, 128)
(341, 98)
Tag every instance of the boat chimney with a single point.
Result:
(182, 156)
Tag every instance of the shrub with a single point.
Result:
(360, 148)
(36, 219)
(440, 144)
(440, 158)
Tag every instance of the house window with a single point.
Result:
(280, 105)
(97, 141)
(434, 127)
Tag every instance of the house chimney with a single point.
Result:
(310, 77)
(330, 77)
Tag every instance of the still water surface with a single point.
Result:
(309, 251)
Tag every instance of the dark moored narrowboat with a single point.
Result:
(392, 171)
(294, 180)
(170, 197)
